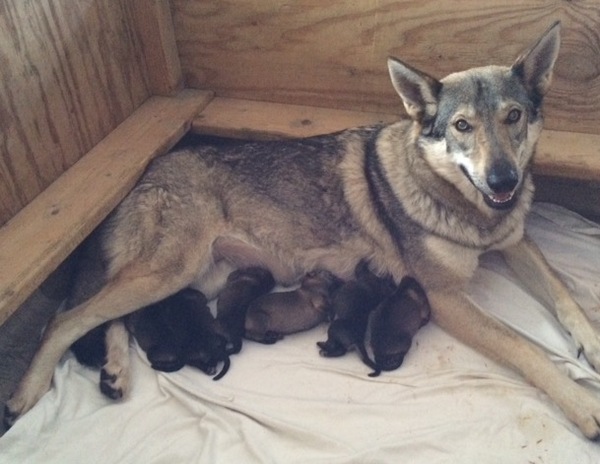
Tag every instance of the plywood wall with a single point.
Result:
(70, 71)
(333, 53)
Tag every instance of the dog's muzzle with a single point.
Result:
(502, 182)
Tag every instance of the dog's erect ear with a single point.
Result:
(418, 91)
(535, 65)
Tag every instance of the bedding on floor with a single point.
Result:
(286, 404)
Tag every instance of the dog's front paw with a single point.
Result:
(586, 414)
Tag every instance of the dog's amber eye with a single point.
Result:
(462, 126)
(513, 116)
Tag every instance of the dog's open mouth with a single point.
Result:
(501, 198)
(496, 200)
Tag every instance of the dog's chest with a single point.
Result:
(450, 261)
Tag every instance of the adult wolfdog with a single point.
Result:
(425, 196)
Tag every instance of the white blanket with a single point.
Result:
(286, 404)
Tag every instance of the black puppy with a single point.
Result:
(180, 330)
(352, 303)
(242, 287)
(395, 322)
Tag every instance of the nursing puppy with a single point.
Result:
(425, 196)
(395, 322)
(242, 287)
(180, 330)
(274, 315)
(352, 304)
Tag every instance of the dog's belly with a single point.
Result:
(240, 253)
(289, 264)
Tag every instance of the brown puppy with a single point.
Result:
(274, 315)
(395, 322)
(242, 287)
(352, 304)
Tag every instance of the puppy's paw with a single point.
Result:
(165, 357)
(270, 337)
(330, 349)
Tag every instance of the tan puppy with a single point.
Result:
(274, 315)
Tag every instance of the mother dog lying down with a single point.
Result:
(425, 196)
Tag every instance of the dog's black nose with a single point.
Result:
(503, 177)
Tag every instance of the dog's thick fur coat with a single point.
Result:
(425, 196)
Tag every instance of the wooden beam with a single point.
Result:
(154, 27)
(562, 154)
(568, 154)
(333, 54)
(35, 241)
(257, 120)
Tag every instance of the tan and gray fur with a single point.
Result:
(425, 196)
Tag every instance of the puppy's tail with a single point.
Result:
(375, 373)
(362, 351)
(226, 364)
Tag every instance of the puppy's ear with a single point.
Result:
(534, 67)
(419, 91)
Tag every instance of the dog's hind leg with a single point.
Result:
(131, 288)
(455, 313)
(114, 376)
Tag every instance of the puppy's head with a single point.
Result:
(389, 358)
(320, 279)
(478, 128)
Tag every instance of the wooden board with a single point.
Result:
(333, 54)
(561, 154)
(568, 155)
(70, 72)
(152, 19)
(41, 236)
(237, 118)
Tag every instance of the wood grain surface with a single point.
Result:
(41, 235)
(333, 54)
(154, 25)
(70, 72)
(559, 153)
